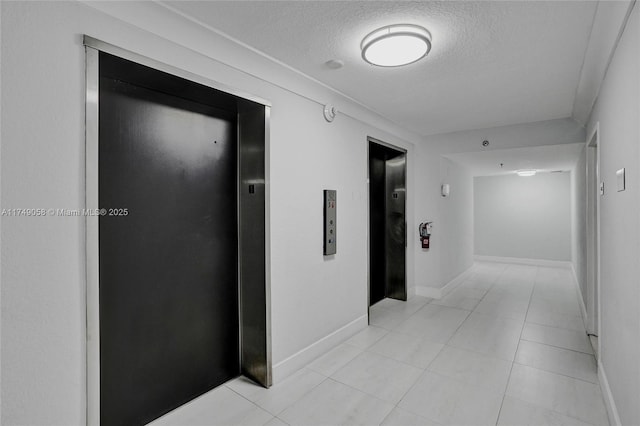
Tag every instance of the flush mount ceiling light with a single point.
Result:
(396, 45)
(526, 173)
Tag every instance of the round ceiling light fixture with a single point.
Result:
(396, 45)
(526, 173)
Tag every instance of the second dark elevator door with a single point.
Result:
(387, 222)
(168, 269)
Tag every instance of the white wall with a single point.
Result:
(609, 18)
(451, 251)
(455, 230)
(427, 190)
(579, 223)
(618, 110)
(523, 217)
(42, 154)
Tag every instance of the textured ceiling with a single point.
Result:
(492, 63)
(543, 158)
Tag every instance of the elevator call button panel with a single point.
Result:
(330, 216)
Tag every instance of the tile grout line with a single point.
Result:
(288, 406)
(426, 369)
(395, 405)
(465, 320)
(362, 392)
(447, 342)
(501, 273)
(518, 346)
(554, 326)
(405, 394)
(553, 411)
(423, 370)
(297, 397)
(404, 362)
(557, 374)
(302, 395)
(433, 342)
(540, 369)
(406, 318)
(557, 347)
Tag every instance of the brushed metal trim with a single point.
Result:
(368, 201)
(161, 66)
(239, 233)
(92, 77)
(386, 144)
(267, 238)
(253, 244)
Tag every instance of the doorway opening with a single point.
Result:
(177, 285)
(387, 222)
(594, 192)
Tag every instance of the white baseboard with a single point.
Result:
(612, 410)
(523, 261)
(411, 291)
(455, 282)
(439, 293)
(295, 362)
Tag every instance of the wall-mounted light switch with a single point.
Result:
(620, 179)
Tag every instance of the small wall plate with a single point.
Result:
(620, 179)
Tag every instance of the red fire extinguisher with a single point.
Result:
(424, 229)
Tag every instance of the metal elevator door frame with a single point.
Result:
(253, 129)
(395, 190)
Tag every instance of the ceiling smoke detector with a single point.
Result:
(329, 112)
(334, 64)
(396, 45)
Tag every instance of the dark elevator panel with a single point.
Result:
(387, 222)
(169, 327)
(330, 228)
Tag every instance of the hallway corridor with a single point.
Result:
(506, 347)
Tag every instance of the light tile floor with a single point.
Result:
(507, 347)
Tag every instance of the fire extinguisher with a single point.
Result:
(424, 229)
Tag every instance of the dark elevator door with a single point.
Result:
(387, 223)
(168, 268)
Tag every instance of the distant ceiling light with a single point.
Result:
(485, 143)
(526, 173)
(396, 45)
